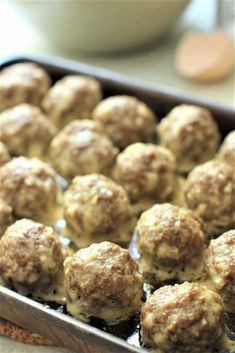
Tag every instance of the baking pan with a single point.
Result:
(44, 319)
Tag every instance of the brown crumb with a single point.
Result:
(20, 334)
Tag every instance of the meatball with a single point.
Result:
(170, 241)
(30, 256)
(96, 209)
(227, 149)
(147, 172)
(28, 186)
(23, 82)
(4, 154)
(184, 318)
(6, 217)
(220, 265)
(25, 130)
(210, 192)
(125, 119)
(82, 148)
(72, 97)
(102, 281)
(191, 133)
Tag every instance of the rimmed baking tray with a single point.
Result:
(55, 325)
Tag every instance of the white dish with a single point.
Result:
(100, 25)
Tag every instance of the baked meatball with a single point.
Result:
(72, 97)
(227, 149)
(30, 256)
(125, 119)
(97, 209)
(170, 241)
(23, 82)
(210, 192)
(4, 154)
(147, 172)
(82, 148)
(25, 130)
(102, 281)
(184, 318)
(6, 217)
(220, 265)
(28, 186)
(191, 133)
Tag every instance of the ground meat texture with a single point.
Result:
(73, 97)
(170, 239)
(146, 171)
(23, 82)
(185, 318)
(125, 119)
(28, 186)
(4, 154)
(102, 281)
(220, 266)
(25, 130)
(210, 192)
(82, 148)
(6, 217)
(227, 149)
(95, 204)
(30, 255)
(191, 133)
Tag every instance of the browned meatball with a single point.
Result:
(220, 265)
(96, 209)
(25, 130)
(6, 217)
(191, 133)
(210, 192)
(82, 148)
(184, 318)
(227, 149)
(30, 256)
(23, 82)
(125, 119)
(28, 186)
(73, 97)
(4, 154)
(102, 281)
(147, 172)
(170, 241)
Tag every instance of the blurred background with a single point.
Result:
(134, 37)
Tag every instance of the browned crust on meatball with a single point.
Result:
(30, 255)
(6, 217)
(146, 170)
(28, 186)
(210, 192)
(191, 133)
(227, 149)
(170, 241)
(82, 148)
(22, 82)
(72, 97)
(220, 265)
(103, 281)
(95, 204)
(125, 119)
(20, 334)
(184, 318)
(179, 229)
(25, 130)
(4, 154)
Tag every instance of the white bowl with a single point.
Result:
(100, 25)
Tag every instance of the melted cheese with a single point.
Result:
(185, 272)
(120, 236)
